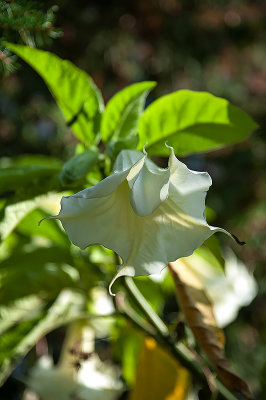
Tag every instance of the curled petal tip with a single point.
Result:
(53, 216)
(169, 147)
(237, 240)
(143, 149)
(123, 271)
(110, 286)
(110, 289)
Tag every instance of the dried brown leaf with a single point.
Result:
(199, 316)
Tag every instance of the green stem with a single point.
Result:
(178, 350)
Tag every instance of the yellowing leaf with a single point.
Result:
(159, 376)
(200, 318)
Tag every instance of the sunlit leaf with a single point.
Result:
(13, 312)
(120, 118)
(159, 376)
(13, 214)
(53, 232)
(192, 122)
(73, 89)
(152, 291)
(213, 251)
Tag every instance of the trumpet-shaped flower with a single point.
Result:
(146, 214)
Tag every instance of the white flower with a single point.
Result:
(75, 377)
(93, 381)
(228, 290)
(146, 214)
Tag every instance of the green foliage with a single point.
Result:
(19, 176)
(120, 119)
(78, 166)
(16, 342)
(25, 21)
(17, 214)
(40, 270)
(192, 122)
(12, 346)
(126, 349)
(74, 91)
(44, 271)
(29, 226)
(211, 252)
(114, 147)
(24, 17)
(18, 310)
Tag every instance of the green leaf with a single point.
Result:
(120, 118)
(14, 344)
(127, 346)
(12, 313)
(114, 147)
(13, 214)
(73, 89)
(213, 246)
(43, 271)
(210, 256)
(192, 122)
(22, 176)
(78, 166)
(11, 349)
(52, 230)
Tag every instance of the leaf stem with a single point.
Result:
(178, 350)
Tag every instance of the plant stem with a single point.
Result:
(178, 350)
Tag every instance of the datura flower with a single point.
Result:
(148, 215)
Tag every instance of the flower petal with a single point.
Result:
(149, 190)
(99, 220)
(126, 159)
(188, 188)
(164, 236)
(104, 187)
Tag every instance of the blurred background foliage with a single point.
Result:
(216, 46)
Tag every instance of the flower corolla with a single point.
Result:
(148, 215)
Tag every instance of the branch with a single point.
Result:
(178, 350)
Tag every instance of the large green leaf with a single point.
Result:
(74, 91)
(192, 122)
(14, 344)
(120, 118)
